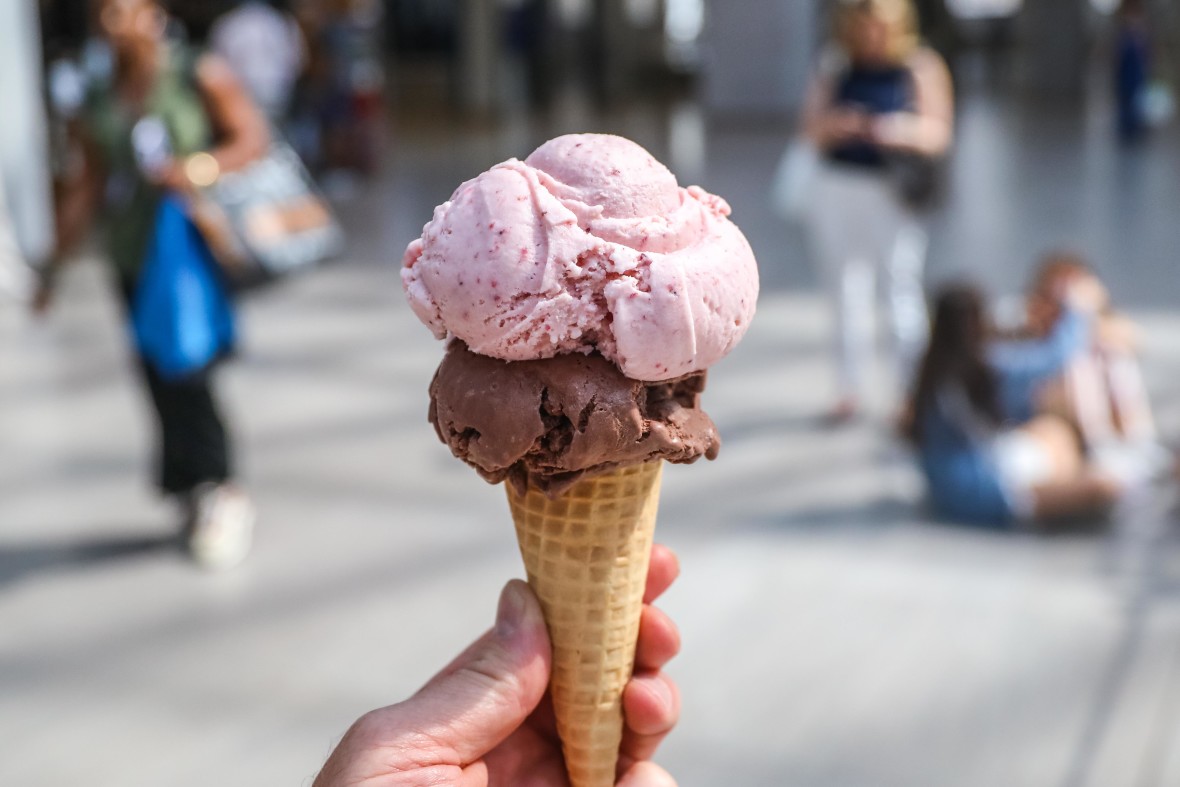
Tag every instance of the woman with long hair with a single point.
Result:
(987, 457)
(165, 123)
(880, 104)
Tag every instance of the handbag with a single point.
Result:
(794, 179)
(181, 316)
(919, 180)
(266, 220)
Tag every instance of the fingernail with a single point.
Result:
(511, 610)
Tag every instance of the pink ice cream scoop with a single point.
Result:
(588, 244)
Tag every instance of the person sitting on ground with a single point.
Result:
(1101, 391)
(988, 456)
(486, 719)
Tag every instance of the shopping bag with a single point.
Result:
(794, 180)
(920, 181)
(267, 220)
(181, 315)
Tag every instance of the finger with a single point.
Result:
(659, 640)
(646, 774)
(485, 694)
(651, 708)
(661, 572)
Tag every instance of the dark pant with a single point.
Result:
(193, 445)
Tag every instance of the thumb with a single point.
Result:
(488, 691)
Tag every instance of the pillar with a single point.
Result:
(1054, 47)
(479, 56)
(614, 50)
(24, 154)
(757, 55)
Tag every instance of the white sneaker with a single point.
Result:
(223, 526)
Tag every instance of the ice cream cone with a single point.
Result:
(586, 553)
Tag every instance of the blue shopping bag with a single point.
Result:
(181, 315)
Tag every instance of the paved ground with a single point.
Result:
(834, 635)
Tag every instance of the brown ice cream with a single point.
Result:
(550, 422)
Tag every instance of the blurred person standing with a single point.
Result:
(880, 112)
(989, 457)
(167, 121)
(345, 90)
(262, 42)
(528, 42)
(1132, 70)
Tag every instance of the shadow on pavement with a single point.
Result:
(897, 510)
(19, 562)
(882, 513)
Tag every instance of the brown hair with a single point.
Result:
(1055, 271)
(956, 356)
(1056, 266)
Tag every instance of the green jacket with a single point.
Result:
(129, 200)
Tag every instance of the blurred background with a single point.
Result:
(837, 630)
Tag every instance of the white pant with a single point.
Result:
(861, 231)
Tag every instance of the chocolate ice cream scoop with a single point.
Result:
(549, 422)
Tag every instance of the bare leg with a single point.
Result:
(1060, 443)
(1053, 398)
(1091, 399)
(1081, 397)
(1072, 489)
(1130, 407)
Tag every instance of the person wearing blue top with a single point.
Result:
(1132, 70)
(988, 457)
(879, 100)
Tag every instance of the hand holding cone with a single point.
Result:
(482, 721)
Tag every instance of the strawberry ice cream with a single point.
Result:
(587, 245)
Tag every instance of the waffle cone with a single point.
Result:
(586, 554)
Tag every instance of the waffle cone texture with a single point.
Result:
(586, 554)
